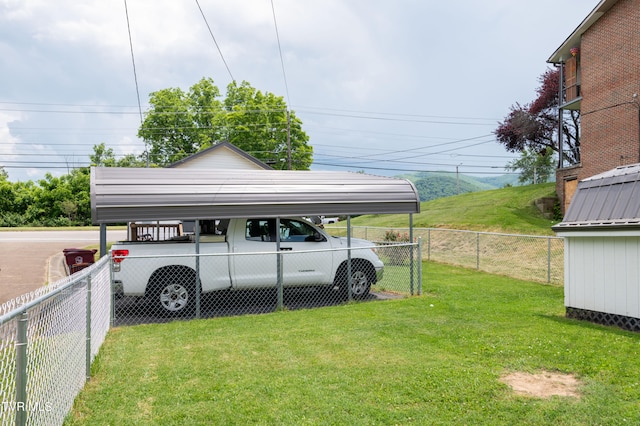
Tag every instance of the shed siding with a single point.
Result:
(603, 274)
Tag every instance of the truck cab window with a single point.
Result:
(259, 230)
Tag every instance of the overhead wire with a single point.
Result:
(215, 41)
(284, 74)
(286, 87)
(133, 60)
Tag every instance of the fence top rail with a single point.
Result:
(553, 237)
(254, 253)
(23, 304)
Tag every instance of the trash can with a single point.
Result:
(77, 259)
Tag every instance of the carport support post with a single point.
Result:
(103, 239)
(349, 277)
(280, 290)
(197, 231)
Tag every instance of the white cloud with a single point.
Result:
(461, 58)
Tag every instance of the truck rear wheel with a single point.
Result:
(173, 291)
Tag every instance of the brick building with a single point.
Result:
(601, 77)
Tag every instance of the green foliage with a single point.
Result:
(434, 360)
(105, 157)
(52, 201)
(180, 124)
(534, 167)
(396, 237)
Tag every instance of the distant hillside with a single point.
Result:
(509, 210)
(433, 185)
(501, 181)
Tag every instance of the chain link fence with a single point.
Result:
(164, 288)
(526, 257)
(48, 339)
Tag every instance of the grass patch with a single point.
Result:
(509, 210)
(435, 359)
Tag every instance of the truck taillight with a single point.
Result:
(119, 255)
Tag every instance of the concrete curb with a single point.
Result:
(56, 268)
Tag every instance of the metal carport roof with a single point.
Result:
(140, 194)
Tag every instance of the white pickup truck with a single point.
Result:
(166, 270)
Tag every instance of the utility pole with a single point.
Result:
(458, 180)
(288, 140)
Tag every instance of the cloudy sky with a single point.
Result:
(383, 86)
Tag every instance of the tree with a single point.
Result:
(535, 126)
(102, 156)
(180, 124)
(261, 125)
(534, 167)
(105, 157)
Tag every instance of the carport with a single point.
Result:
(128, 194)
(120, 195)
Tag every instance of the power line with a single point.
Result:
(133, 60)
(493, 120)
(284, 74)
(392, 169)
(365, 117)
(215, 42)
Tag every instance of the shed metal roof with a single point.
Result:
(607, 200)
(130, 194)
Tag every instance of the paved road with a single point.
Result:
(26, 257)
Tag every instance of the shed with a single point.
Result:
(602, 249)
(128, 194)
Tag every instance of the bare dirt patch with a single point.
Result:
(543, 385)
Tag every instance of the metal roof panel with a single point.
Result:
(609, 199)
(130, 194)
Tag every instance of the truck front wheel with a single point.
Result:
(362, 277)
(173, 290)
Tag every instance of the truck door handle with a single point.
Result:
(286, 248)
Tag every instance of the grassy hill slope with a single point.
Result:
(509, 210)
(432, 185)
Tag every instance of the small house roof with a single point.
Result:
(217, 148)
(131, 194)
(607, 200)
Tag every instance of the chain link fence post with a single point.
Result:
(477, 251)
(88, 320)
(112, 293)
(548, 260)
(21, 369)
(349, 277)
(419, 266)
(412, 252)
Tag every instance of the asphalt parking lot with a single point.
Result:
(31, 259)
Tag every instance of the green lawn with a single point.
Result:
(508, 210)
(435, 359)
